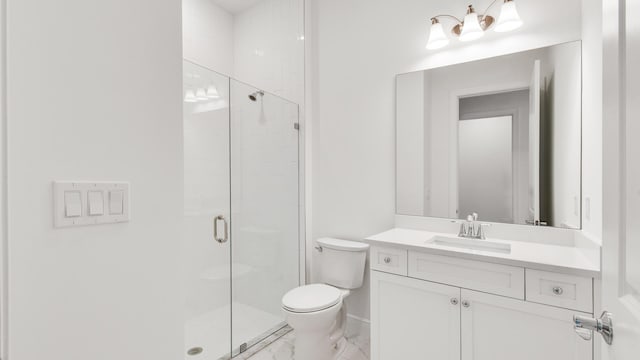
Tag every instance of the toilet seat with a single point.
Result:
(311, 298)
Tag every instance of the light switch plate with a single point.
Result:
(92, 211)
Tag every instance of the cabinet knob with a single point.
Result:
(466, 303)
(557, 290)
(387, 260)
(454, 301)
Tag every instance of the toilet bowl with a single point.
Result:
(317, 312)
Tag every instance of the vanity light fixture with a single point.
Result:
(212, 92)
(201, 94)
(190, 97)
(437, 37)
(509, 18)
(473, 26)
(472, 29)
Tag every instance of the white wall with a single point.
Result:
(262, 45)
(516, 104)
(358, 47)
(485, 160)
(207, 35)
(269, 47)
(94, 94)
(3, 184)
(410, 165)
(427, 150)
(592, 115)
(563, 77)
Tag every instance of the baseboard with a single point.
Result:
(357, 326)
(357, 318)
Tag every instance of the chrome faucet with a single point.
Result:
(472, 229)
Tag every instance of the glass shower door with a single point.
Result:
(264, 204)
(206, 243)
(241, 235)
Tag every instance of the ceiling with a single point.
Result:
(235, 6)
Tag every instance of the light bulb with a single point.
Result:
(509, 18)
(201, 94)
(437, 37)
(212, 92)
(471, 29)
(190, 97)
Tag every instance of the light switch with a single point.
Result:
(96, 203)
(82, 203)
(116, 202)
(72, 204)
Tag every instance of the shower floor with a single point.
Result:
(210, 331)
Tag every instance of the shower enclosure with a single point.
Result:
(241, 240)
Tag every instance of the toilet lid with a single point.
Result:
(309, 298)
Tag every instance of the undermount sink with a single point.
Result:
(471, 244)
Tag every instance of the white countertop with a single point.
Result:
(565, 259)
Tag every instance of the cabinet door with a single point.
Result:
(413, 319)
(499, 328)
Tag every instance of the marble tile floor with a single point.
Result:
(283, 349)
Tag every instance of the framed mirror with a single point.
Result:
(500, 137)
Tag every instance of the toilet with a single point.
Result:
(317, 312)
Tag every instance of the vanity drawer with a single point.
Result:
(567, 291)
(389, 260)
(469, 274)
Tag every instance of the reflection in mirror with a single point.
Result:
(500, 137)
(486, 167)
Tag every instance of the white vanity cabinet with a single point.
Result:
(413, 319)
(494, 327)
(448, 308)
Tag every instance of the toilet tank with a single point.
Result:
(342, 262)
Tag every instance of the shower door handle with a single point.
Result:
(225, 235)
